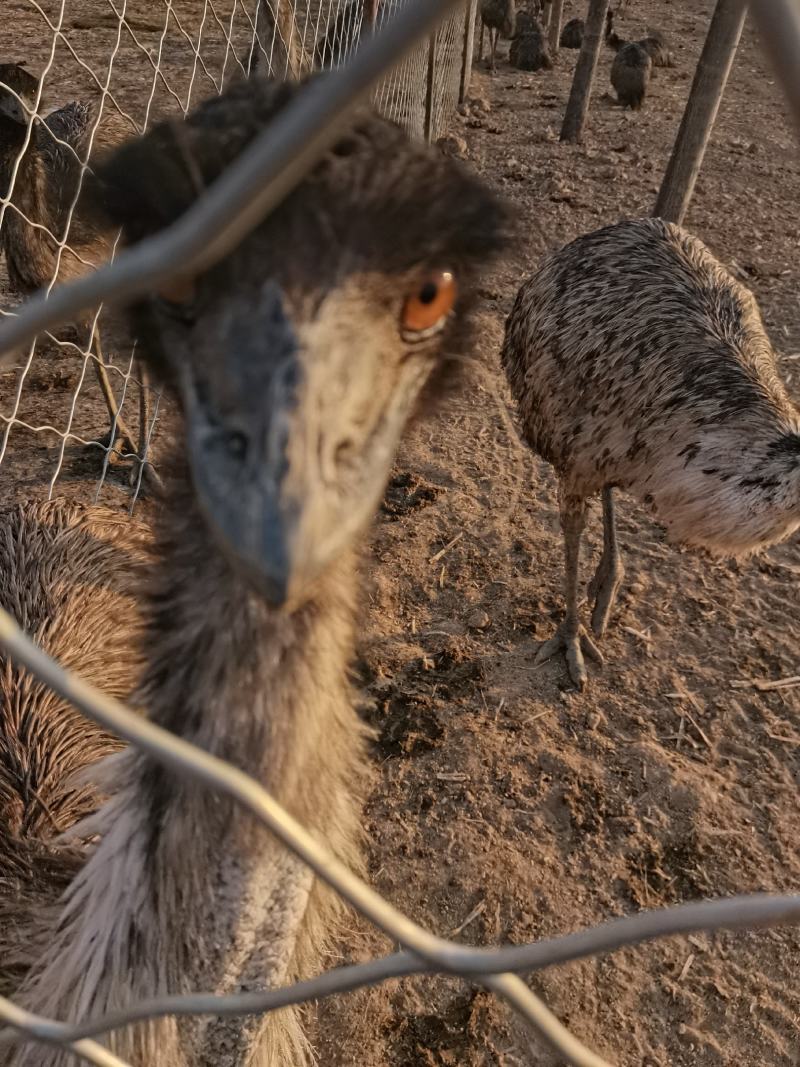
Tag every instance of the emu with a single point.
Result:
(42, 203)
(638, 363)
(630, 74)
(295, 364)
(529, 46)
(572, 34)
(500, 17)
(23, 88)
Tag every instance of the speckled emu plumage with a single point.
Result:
(499, 15)
(637, 361)
(572, 34)
(529, 47)
(45, 191)
(630, 74)
(72, 577)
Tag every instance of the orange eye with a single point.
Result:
(427, 307)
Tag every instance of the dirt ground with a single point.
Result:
(507, 807)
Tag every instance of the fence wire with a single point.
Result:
(274, 158)
(133, 62)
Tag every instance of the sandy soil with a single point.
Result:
(499, 792)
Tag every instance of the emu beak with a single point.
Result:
(269, 476)
(248, 490)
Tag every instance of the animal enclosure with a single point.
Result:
(134, 65)
(508, 809)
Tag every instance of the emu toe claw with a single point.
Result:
(574, 647)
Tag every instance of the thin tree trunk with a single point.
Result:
(556, 15)
(581, 92)
(708, 86)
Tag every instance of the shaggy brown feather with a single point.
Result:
(71, 576)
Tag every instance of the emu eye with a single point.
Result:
(427, 306)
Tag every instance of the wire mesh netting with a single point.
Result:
(207, 47)
(82, 75)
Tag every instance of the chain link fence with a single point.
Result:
(214, 224)
(75, 408)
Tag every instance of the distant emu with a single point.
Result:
(43, 205)
(572, 34)
(638, 362)
(23, 88)
(500, 18)
(630, 75)
(529, 46)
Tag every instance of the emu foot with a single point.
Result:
(602, 592)
(574, 646)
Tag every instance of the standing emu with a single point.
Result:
(630, 74)
(295, 364)
(42, 207)
(638, 362)
(500, 17)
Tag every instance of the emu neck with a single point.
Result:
(186, 891)
(214, 648)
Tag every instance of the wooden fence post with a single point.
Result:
(469, 48)
(708, 86)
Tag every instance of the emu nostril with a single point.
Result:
(236, 444)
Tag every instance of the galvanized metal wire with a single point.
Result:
(251, 188)
(179, 55)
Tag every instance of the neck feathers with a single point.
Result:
(185, 891)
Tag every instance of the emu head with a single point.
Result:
(299, 358)
(17, 87)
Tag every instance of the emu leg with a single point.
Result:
(118, 431)
(493, 36)
(480, 41)
(571, 638)
(604, 586)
